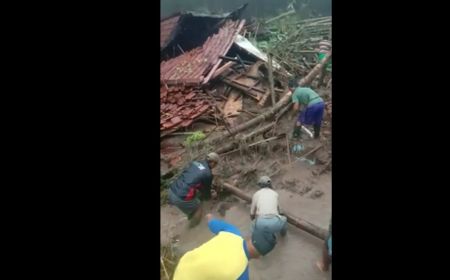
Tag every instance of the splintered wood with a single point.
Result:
(232, 108)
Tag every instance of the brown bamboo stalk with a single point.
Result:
(272, 90)
(288, 149)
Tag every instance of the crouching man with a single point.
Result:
(192, 186)
(265, 211)
(225, 256)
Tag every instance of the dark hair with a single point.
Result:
(293, 83)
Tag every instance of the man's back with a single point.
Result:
(265, 202)
(305, 96)
(197, 176)
(223, 257)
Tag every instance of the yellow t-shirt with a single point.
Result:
(221, 258)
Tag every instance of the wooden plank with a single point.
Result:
(272, 90)
(232, 107)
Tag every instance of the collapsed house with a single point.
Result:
(198, 51)
(194, 51)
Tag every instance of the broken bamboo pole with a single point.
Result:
(263, 100)
(272, 90)
(240, 85)
(288, 149)
(222, 69)
(243, 89)
(233, 145)
(165, 270)
(257, 143)
(258, 131)
(297, 222)
(281, 16)
(312, 151)
(285, 100)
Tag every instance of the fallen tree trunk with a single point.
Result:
(285, 100)
(297, 222)
(315, 71)
(269, 113)
(258, 131)
(259, 142)
(282, 112)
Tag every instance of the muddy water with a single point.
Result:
(294, 256)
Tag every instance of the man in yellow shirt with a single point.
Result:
(225, 256)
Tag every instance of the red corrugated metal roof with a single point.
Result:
(192, 67)
(167, 26)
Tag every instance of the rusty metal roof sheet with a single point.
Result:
(196, 66)
(167, 27)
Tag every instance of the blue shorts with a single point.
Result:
(187, 207)
(312, 115)
(275, 224)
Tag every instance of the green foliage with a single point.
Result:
(197, 136)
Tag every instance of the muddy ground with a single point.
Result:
(302, 193)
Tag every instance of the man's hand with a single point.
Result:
(209, 217)
(213, 194)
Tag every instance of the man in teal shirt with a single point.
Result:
(311, 107)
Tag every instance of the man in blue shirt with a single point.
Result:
(194, 182)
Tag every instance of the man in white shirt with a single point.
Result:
(265, 211)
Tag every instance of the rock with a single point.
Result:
(305, 190)
(316, 194)
(223, 207)
(289, 182)
(322, 156)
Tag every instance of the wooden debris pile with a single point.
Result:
(292, 42)
(215, 89)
